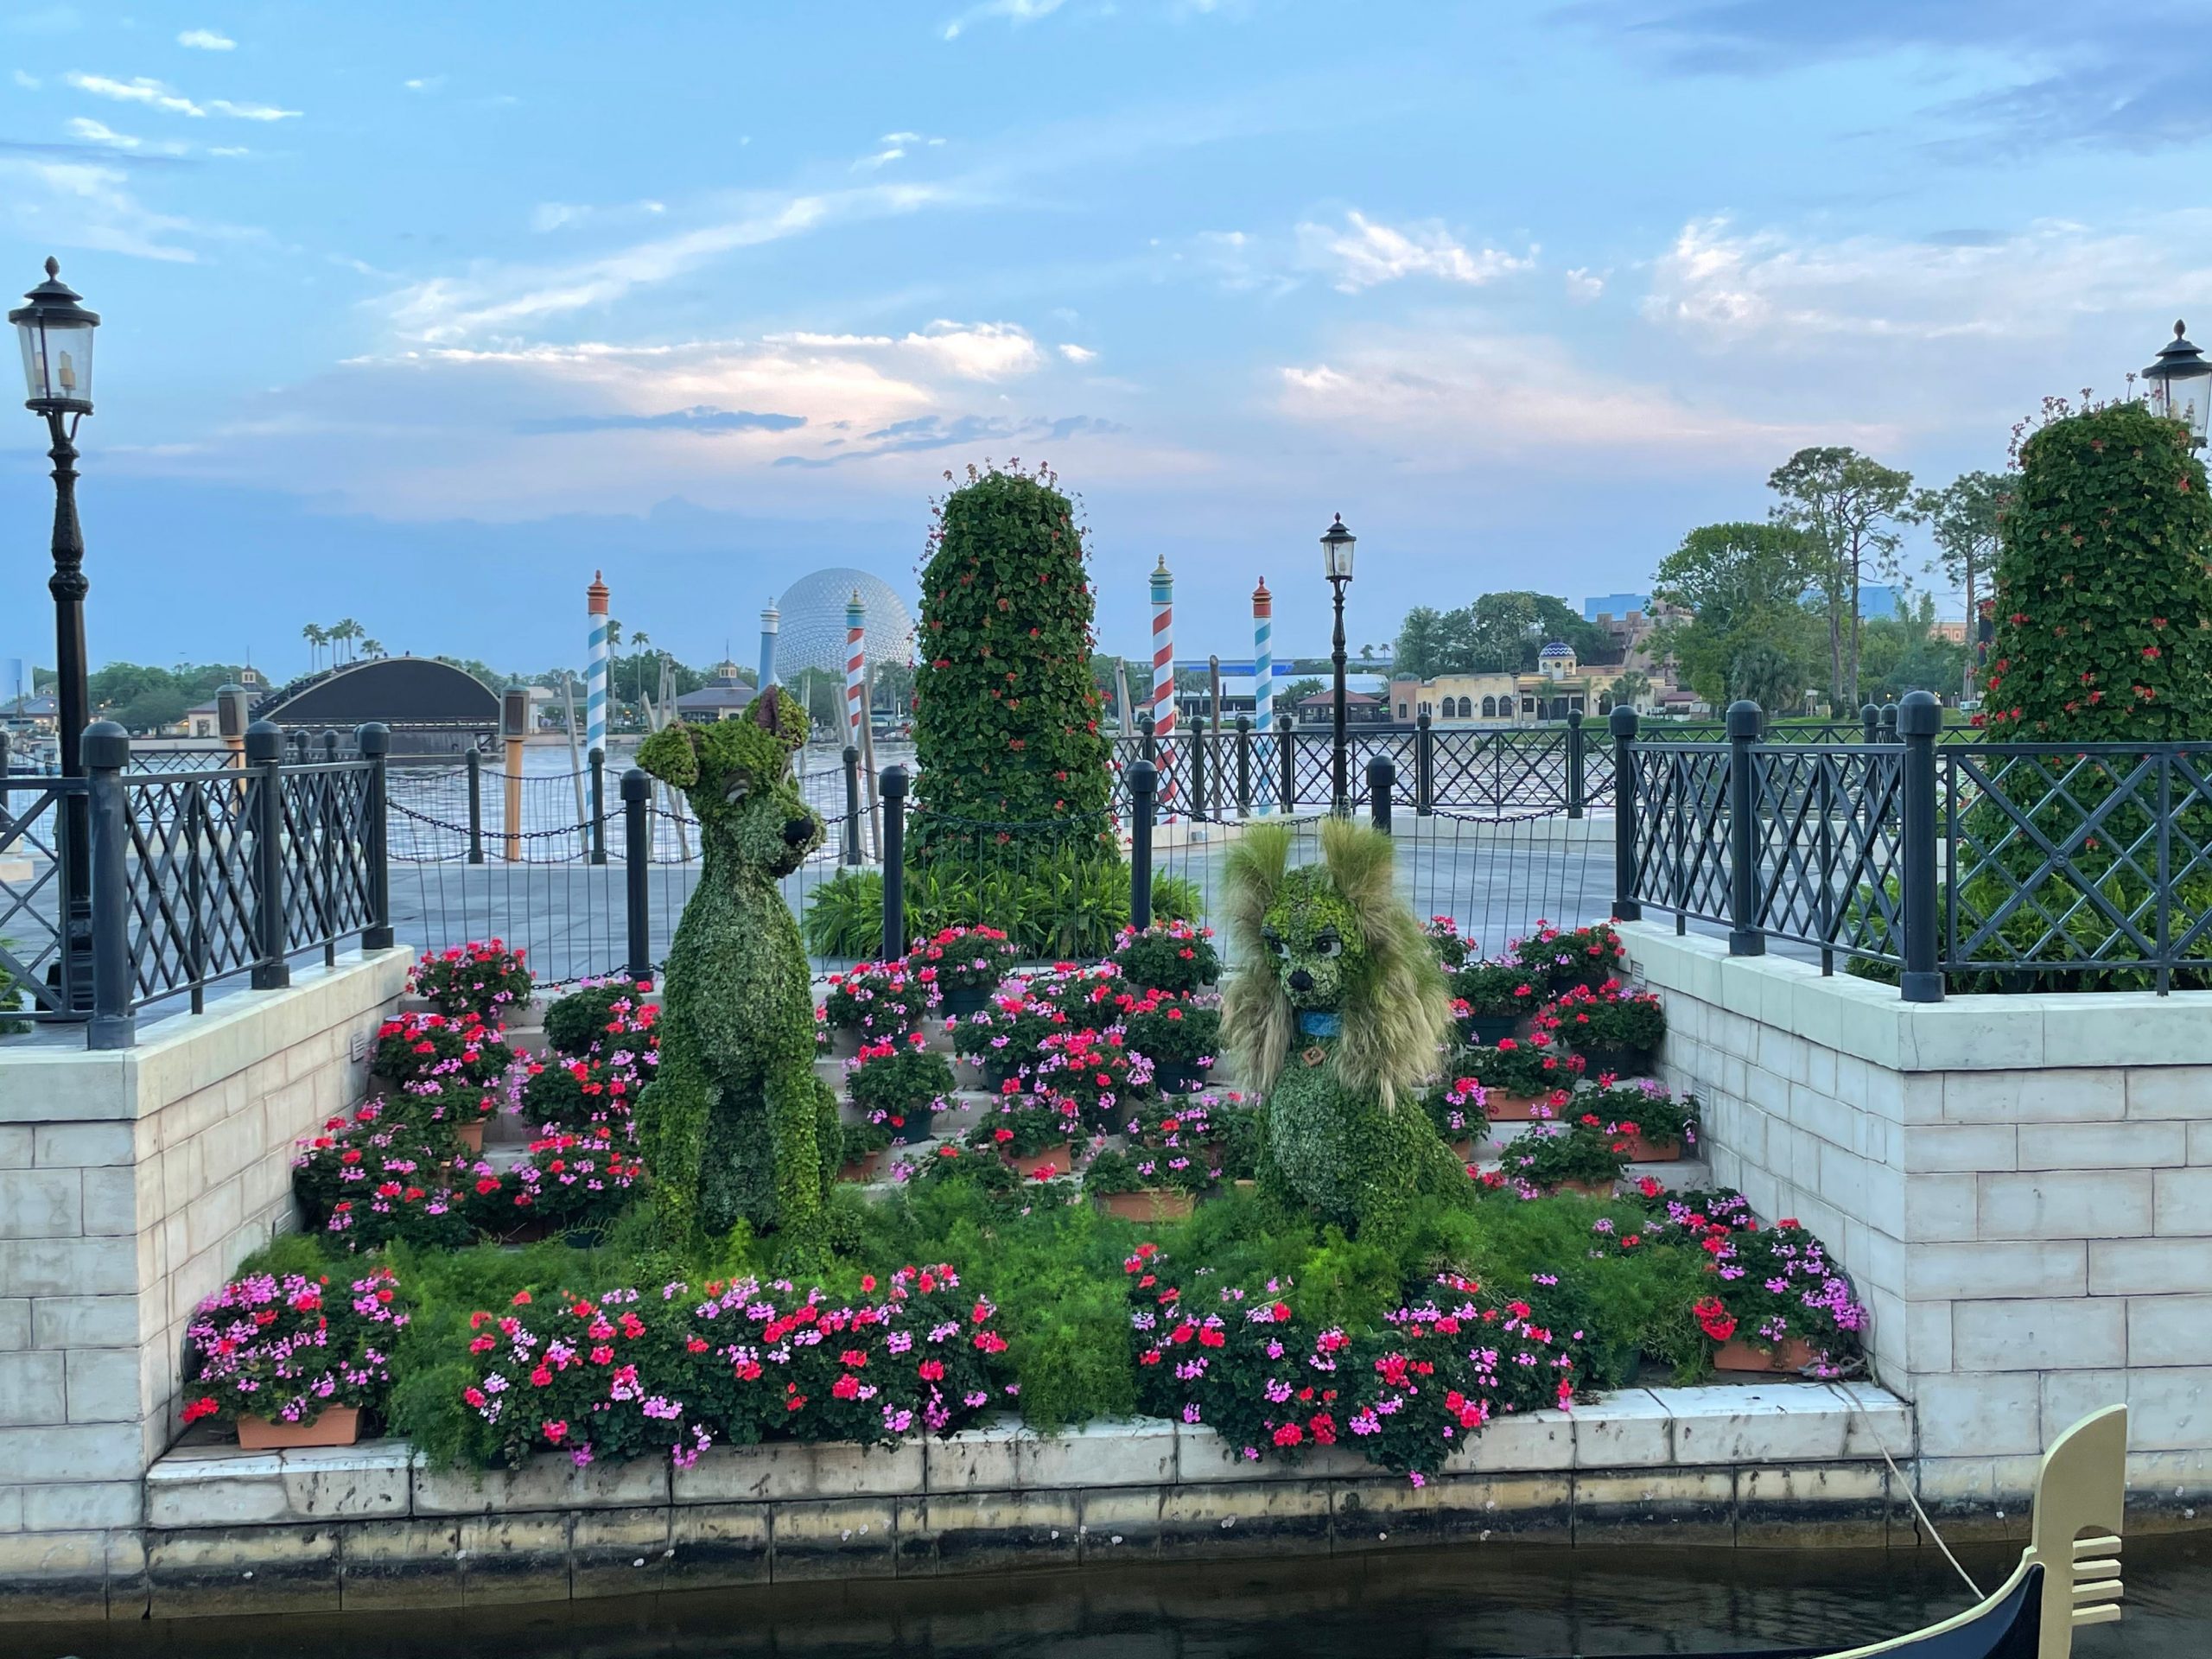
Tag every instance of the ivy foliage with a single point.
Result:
(2104, 595)
(1006, 713)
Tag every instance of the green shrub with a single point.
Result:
(592, 1016)
(1171, 955)
(1054, 905)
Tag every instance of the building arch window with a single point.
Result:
(1490, 708)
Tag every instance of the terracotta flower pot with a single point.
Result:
(471, 1135)
(867, 1167)
(1150, 1204)
(1643, 1151)
(335, 1426)
(1463, 1148)
(1790, 1354)
(1060, 1158)
(1587, 1189)
(1512, 1109)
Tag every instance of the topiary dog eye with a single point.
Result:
(1276, 942)
(1327, 943)
(739, 787)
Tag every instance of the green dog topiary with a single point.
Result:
(735, 1125)
(1337, 1013)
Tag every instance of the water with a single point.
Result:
(1494, 1600)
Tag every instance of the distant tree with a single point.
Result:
(1966, 516)
(1298, 690)
(1420, 643)
(316, 638)
(1747, 633)
(372, 648)
(1852, 507)
(1631, 688)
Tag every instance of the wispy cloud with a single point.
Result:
(1014, 11)
(100, 133)
(703, 418)
(205, 40)
(1584, 285)
(928, 432)
(1365, 253)
(1077, 353)
(88, 205)
(28, 83)
(977, 351)
(159, 95)
(894, 147)
(562, 215)
(424, 83)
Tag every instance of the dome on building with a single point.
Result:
(813, 632)
(1555, 652)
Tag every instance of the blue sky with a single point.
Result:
(417, 313)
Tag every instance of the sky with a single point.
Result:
(419, 314)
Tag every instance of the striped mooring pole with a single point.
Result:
(1263, 671)
(595, 597)
(855, 669)
(1163, 683)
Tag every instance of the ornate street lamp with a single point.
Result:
(2181, 384)
(1336, 552)
(57, 339)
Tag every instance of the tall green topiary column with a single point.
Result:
(2103, 595)
(1006, 713)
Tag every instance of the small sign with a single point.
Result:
(358, 1049)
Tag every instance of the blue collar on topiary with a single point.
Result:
(1316, 1023)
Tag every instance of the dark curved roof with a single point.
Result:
(404, 692)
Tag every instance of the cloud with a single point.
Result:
(558, 215)
(937, 432)
(28, 83)
(1584, 285)
(424, 83)
(159, 95)
(980, 351)
(703, 418)
(78, 204)
(1365, 253)
(100, 133)
(1724, 286)
(1014, 11)
(1077, 353)
(205, 40)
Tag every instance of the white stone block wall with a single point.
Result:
(2021, 1187)
(131, 1183)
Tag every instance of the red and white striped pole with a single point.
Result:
(855, 669)
(1163, 682)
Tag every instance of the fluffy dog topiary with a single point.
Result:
(735, 1125)
(1337, 1013)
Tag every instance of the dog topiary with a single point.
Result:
(735, 1125)
(1337, 1013)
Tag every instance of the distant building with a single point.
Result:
(724, 697)
(37, 713)
(1614, 605)
(1361, 708)
(201, 719)
(1881, 600)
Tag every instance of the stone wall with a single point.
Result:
(2021, 1186)
(131, 1182)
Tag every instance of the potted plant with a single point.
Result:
(902, 1085)
(1003, 1039)
(1136, 1186)
(866, 1152)
(371, 1177)
(1521, 1077)
(1497, 995)
(1655, 1123)
(1616, 1031)
(1099, 1071)
(482, 977)
(962, 965)
(1179, 1037)
(580, 1180)
(293, 1361)
(598, 1088)
(1583, 1155)
(1779, 1303)
(1452, 950)
(1581, 956)
(441, 1069)
(1031, 1132)
(1456, 1106)
(1174, 956)
(610, 1016)
(870, 1003)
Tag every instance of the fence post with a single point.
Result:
(264, 750)
(373, 740)
(475, 763)
(1286, 749)
(1147, 746)
(106, 752)
(1888, 722)
(1919, 720)
(892, 786)
(1869, 722)
(329, 745)
(1745, 937)
(598, 806)
(1424, 767)
(1626, 906)
(1243, 766)
(1575, 754)
(1381, 778)
(852, 852)
(1144, 788)
(636, 875)
(1197, 740)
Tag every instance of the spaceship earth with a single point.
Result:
(813, 627)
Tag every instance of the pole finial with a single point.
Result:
(52, 267)
(2180, 327)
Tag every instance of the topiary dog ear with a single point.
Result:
(671, 755)
(779, 714)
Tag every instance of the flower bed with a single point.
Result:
(483, 978)
(900, 1085)
(283, 1350)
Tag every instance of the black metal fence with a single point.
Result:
(1958, 865)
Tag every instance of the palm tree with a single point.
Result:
(638, 641)
(347, 632)
(372, 647)
(315, 637)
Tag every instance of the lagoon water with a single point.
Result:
(1494, 1600)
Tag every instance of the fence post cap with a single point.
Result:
(1381, 765)
(1870, 712)
(852, 755)
(636, 785)
(1143, 776)
(1421, 720)
(1574, 717)
(106, 746)
(1243, 722)
(1919, 715)
(1145, 724)
(372, 739)
(264, 741)
(1744, 718)
(894, 783)
(1622, 722)
(596, 755)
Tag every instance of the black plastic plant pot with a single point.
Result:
(958, 1002)
(1178, 1077)
(916, 1128)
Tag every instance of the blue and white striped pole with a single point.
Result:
(596, 682)
(1263, 673)
(771, 622)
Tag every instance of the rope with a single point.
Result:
(1912, 1497)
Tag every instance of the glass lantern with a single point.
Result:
(2181, 384)
(56, 334)
(1336, 549)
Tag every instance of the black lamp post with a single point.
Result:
(56, 333)
(2181, 384)
(1336, 549)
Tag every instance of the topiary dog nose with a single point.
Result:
(1300, 980)
(797, 831)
